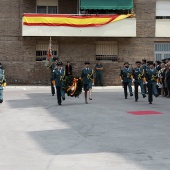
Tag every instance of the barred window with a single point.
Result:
(42, 49)
(162, 51)
(107, 50)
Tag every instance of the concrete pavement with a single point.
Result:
(37, 134)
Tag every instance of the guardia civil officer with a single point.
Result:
(2, 82)
(87, 77)
(58, 76)
(52, 68)
(138, 75)
(151, 81)
(126, 79)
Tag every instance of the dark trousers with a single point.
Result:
(168, 87)
(138, 83)
(99, 79)
(52, 88)
(159, 90)
(58, 89)
(125, 85)
(150, 98)
(151, 90)
(144, 86)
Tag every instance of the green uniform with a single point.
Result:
(138, 75)
(151, 77)
(126, 73)
(58, 76)
(87, 76)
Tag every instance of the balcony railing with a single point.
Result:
(79, 25)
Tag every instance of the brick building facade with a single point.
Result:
(17, 53)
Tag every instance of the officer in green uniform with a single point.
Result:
(126, 79)
(2, 82)
(58, 76)
(151, 81)
(99, 71)
(52, 67)
(87, 77)
(138, 75)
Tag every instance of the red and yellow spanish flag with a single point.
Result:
(70, 20)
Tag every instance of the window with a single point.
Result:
(47, 7)
(41, 51)
(162, 51)
(162, 9)
(107, 50)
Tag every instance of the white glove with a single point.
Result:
(157, 84)
(92, 84)
(146, 82)
(121, 81)
(133, 80)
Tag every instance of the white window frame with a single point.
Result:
(163, 8)
(49, 3)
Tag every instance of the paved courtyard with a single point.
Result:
(37, 134)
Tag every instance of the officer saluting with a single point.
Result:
(151, 81)
(58, 77)
(126, 79)
(138, 75)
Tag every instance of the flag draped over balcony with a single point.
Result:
(71, 20)
(49, 57)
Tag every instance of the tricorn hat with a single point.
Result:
(87, 62)
(150, 63)
(159, 62)
(138, 62)
(126, 63)
(144, 60)
(59, 63)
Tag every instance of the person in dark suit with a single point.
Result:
(58, 76)
(87, 77)
(99, 72)
(68, 69)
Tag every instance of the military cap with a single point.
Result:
(138, 62)
(126, 63)
(87, 62)
(159, 62)
(59, 63)
(144, 60)
(150, 63)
